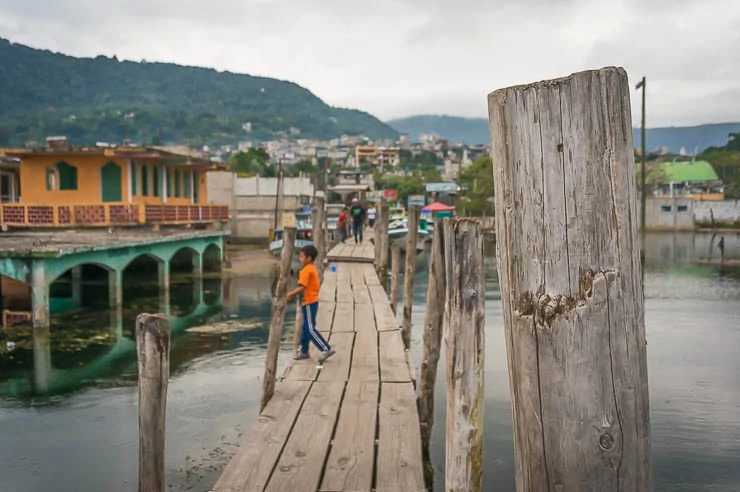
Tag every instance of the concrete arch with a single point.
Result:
(185, 248)
(102, 266)
(212, 258)
(154, 257)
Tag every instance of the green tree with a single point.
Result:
(726, 163)
(476, 182)
(254, 162)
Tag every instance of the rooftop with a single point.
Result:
(689, 171)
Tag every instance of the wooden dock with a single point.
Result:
(351, 425)
(352, 253)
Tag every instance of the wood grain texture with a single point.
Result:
(277, 316)
(302, 461)
(465, 353)
(344, 283)
(337, 368)
(344, 317)
(393, 365)
(250, 468)
(351, 461)
(153, 358)
(319, 238)
(365, 357)
(361, 295)
(409, 273)
(364, 318)
(399, 465)
(325, 316)
(568, 263)
(432, 338)
(371, 276)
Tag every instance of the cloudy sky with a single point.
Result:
(397, 58)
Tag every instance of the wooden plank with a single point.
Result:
(337, 368)
(301, 370)
(344, 286)
(344, 317)
(328, 292)
(361, 294)
(352, 456)
(356, 274)
(251, 466)
(384, 317)
(371, 277)
(325, 316)
(302, 460)
(377, 294)
(364, 365)
(393, 366)
(400, 464)
(364, 318)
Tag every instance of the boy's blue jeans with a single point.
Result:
(309, 331)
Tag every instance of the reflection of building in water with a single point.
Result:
(82, 348)
(689, 247)
(242, 292)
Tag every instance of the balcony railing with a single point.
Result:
(108, 214)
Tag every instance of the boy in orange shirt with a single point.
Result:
(309, 285)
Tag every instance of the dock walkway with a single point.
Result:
(351, 425)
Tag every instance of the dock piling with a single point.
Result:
(395, 271)
(319, 234)
(433, 325)
(153, 356)
(408, 278)
(465, 353)
(569, 266)
(277, 318)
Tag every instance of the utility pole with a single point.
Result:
(643, 172)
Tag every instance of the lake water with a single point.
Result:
(82, 434)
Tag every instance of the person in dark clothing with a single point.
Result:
(357, 212)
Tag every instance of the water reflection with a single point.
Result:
(74, 388)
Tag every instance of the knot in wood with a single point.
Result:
(586, 283)
(606, 441)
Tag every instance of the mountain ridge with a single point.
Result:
(102, 98)
(475, 131)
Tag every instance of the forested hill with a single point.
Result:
(104, 99)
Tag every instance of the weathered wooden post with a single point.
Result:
(408, 276)
(153, 356)
(298, 326)
(277, 318)
(436, 294)
(384, 240)
(569, 267)
(395, 271)
(464, 349)
(319, 234)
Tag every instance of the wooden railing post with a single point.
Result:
(436, 294)
(465, 349)
(153, 354)
(318, 234)
(395, 271)
(569, 267)
(277, 319)
(381, 243)
(408, 276)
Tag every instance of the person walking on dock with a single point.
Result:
(342, 225)
(371, 214)
(309, 285)
(357, 212)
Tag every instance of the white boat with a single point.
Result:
(304, 234)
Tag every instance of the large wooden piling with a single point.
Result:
(395, 272)
(153, 356)
(408, 276)
(569, 268)
(464, 349)
(433, 325)
(277, 318)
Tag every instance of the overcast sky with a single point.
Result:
(397, 58)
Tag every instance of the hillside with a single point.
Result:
(475, 131)
(103, 99)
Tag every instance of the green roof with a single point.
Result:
(679, 172)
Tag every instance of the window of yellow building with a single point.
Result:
(178, 183)
(170, 187)
(144, 179)
(156, 181)
(134, 178)
(61, 176)
(188, 178)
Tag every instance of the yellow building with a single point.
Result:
(103, 186)
(377, 156)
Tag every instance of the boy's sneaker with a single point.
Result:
(301, 356)
(327, 354)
